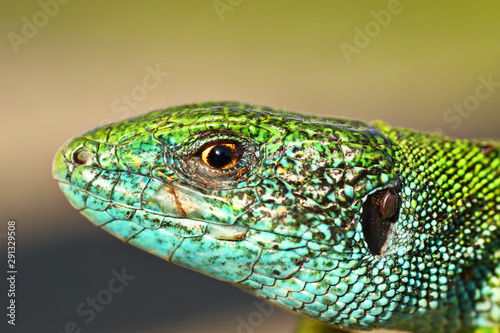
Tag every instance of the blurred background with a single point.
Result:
(69, 66)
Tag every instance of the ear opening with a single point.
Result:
(380, 212)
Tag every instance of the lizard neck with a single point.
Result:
(451, 193)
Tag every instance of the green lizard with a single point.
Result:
(352, 224)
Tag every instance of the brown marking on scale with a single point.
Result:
(240, 173)
(487, 148)
(157, 173)
(178, 205)
(238, 236)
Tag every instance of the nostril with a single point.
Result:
(81, 156)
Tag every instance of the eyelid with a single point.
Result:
(196, 143)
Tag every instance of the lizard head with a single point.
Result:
(297, 209)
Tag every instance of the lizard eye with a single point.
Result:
(221, 155)
(217, 159)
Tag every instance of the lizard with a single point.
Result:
(353, 225)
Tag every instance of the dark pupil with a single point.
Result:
(220, 156)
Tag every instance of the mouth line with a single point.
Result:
(214, 230)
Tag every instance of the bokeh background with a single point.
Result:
(67, 66)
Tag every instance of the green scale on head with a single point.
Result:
(357, 225)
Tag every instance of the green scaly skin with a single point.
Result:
(357, 225)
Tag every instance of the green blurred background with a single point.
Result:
(66, 66)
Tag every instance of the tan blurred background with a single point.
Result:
(68, 66)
